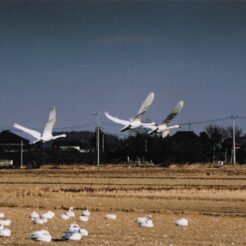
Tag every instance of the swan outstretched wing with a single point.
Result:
(145, 106)
(174, 112)
(116, 120)
(47, 133)
(31, 132)
(151, 126)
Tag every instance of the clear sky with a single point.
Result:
(86, 56)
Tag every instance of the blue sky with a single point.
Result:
(86, 56)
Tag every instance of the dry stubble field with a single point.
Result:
(212, 198)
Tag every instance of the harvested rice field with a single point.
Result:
(212, 198)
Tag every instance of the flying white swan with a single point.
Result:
(47, 133)
(163, 126)
(135, 121)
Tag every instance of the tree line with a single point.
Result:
(212, 145)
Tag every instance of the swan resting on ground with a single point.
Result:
(75, 233)
(182, 222)
(65, 217)
(42, 236)
(43, 218)
(48, 215)
(85, 215)
(86, 212)
(39, 221)
(69, 214)
(84, 218)
(145, 221)
(111, 216)
(34, 215)
(4, 232)
(47, 133)
(5, 222)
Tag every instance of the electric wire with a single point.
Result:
(110, 124)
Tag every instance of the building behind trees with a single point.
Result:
(213, 145)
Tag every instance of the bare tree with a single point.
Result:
(229, 132)
(229, 141)
(216, 136)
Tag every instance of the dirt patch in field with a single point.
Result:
(212, 198)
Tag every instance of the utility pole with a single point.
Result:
(21, 154)
(98, 138)
(102, 140)
(233, 117)
(189, 126)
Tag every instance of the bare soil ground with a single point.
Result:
(213, 198)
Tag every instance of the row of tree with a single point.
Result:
(212, 145)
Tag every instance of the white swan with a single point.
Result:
(86, 212)
(110, 216)
(145, 221)
(5, 222)
(84, 218)
(65, 217)
(163, 126)
(182, 222)
(39, 221)
(47, 133)
(70, 212)
(48, 215)
(72, 235)
(83, 232)
(140, 220)
(73, 227)
(4, 232)
(75, 233)
(42, 236)
(135, 121)
(34, 215)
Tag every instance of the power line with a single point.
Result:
(242, 117)
(90, 124)
(204, 121)
(76, 126)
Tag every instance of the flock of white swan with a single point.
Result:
(74, 231)
(133, 123)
